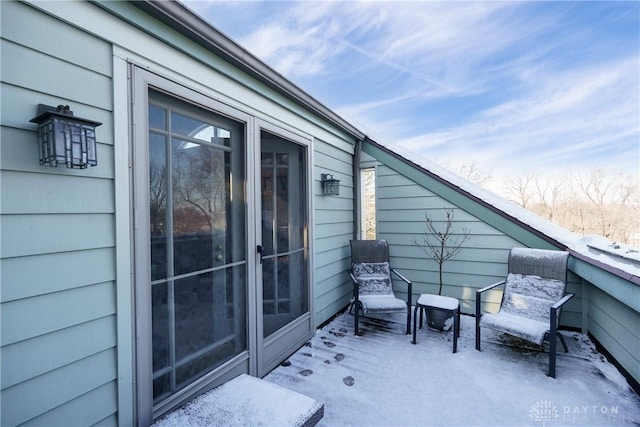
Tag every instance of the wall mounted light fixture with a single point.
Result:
(64, 138)
(330, 185)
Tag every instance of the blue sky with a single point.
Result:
(517, 87)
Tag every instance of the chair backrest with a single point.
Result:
(539, 262)
(369, 251)
(536, 280)
(370, 266)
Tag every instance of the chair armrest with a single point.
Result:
(563, 301)
(554, 311)
(479, 293)
(495, 285)
(554, 321)
(409, 285)
(401, 276)
(356, 284)
(353, 279)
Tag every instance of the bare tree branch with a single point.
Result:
(441, 245)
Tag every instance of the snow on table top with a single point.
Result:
(445, 303)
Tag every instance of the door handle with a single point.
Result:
(260, 250)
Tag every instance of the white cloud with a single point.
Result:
(508, 84)
(563, 118)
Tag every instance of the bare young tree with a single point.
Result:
(441, 245)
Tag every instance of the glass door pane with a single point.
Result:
(198, 253)
(285, 287)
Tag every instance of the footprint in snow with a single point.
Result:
(306, 372)
(329, 344)
(338, 357)
(349, 381)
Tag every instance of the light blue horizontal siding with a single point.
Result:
(20, 24)
(25, 235)
(326, 216)
(24, 360)
(57, 258)
(79, 194)
(334, 228)
(49, 273)
(616, 326)
(61, 78)
(80, 411)
(48, 313)
(330, 272)
(47, 392)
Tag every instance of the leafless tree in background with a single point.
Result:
(519, 189)
(595, 202)
(470, 171)
(370, 204)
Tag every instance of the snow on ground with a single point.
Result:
(381, 379)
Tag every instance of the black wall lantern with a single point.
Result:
(64, 138)
(330, 185)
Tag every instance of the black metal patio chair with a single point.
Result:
(534, 293)
(372, 283)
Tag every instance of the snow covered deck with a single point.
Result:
(381, 379)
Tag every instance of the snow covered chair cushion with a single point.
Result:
(534, 293)
(375, 288)
(374, 278)
(372, 285)
(526, 307)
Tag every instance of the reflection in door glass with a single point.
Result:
(284, 221)
(201, 176)
(198, 253)
(158, 205)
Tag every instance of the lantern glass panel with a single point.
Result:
(330, 185)
(334, 187)
(65, 139)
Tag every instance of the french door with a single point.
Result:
(284, 247)
(221, 244)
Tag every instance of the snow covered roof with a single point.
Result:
(617, 258)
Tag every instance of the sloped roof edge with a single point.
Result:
(182, 19)
(555, 235)
(466, 193)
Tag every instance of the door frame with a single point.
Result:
(141, 81)
(254, 360)
(272, 350)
